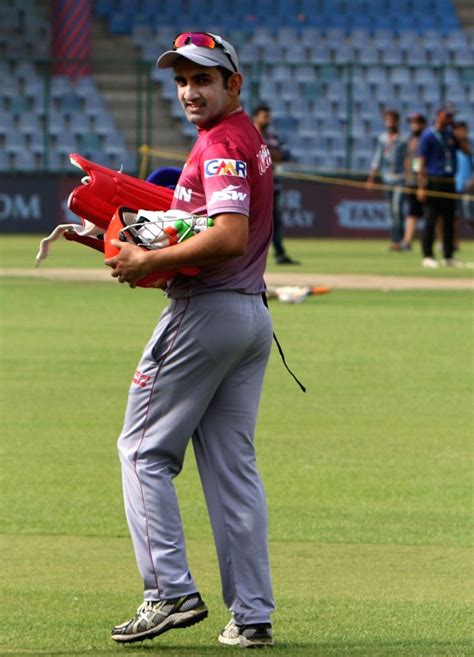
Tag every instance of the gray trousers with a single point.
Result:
(200, 376)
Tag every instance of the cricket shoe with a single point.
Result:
(154, 618)
(286, 260)
(452, 262)
(247, 636)
(429, 263)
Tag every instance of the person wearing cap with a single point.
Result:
(437, 150)
(201, 374)
(388, 161)
(418, 123)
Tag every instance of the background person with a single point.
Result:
(464, 181)
(201, 374)
(388, 161)
(412, 166)
(438, 149)
(262, 120)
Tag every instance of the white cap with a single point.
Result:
(225, 56)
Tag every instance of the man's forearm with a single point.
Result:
(225, 240)
(421, 177)
(208, 248)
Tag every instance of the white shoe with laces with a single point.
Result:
(247, 636)
(154, 618)
(430, 263)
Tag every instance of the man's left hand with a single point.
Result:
(130, 264)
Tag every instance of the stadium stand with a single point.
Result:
(327, 68)
(45, 117)
(307, 58)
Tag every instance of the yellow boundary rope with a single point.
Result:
(179, 156)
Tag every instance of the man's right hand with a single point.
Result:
(421, 194)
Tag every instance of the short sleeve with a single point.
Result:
(424, 145)
(377, 158)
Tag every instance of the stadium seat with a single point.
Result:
(19, 105)
(28, 123)
(463, 57)
(297, 53)
(416, 57)
(392, 55)
(120, 22)
(400, 75)
(81, 124)
(425, 76)
(368, 54)
(438, 57)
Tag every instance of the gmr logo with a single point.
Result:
(229, 193)
(219, 167)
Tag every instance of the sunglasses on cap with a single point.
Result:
(202, 40)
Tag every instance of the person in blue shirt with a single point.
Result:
(464, 179)
(437, 151)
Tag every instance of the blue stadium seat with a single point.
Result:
(297, 53)
(104, 8)
(121, 22)
(70, 103)
(28, 123)
(392, 55)
(81, 123)
(368, 54)
(425, 76)
(305, 74)
(19, 105)
(319, 53)
(400, 75)
(281, 73)
(344, 54)
(463, 58)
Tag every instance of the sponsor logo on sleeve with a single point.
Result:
(183, 193)
(221, 167)
(264, 159)
(229, 193)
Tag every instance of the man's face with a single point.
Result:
(445, 118)
(417, 126)
(460, 132)
(391, 121)
(201, 92)
(263, 119)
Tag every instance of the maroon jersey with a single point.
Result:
(229, 170)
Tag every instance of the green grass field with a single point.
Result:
(368, 475)
(317, 256)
